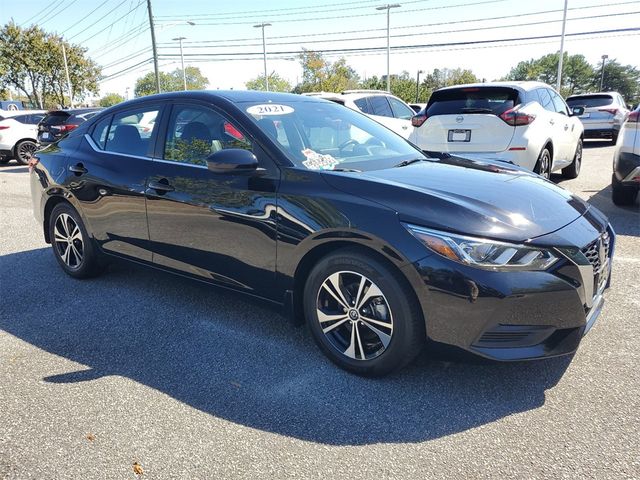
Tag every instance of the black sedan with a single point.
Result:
(318, 208)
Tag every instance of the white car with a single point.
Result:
(383, 107)
(604, 113)
(18, 134)
(625, 182)
(525, 123)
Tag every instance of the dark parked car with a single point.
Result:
(319, 208)
(57, 123)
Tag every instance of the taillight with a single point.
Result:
(418, 120)
(63, 128)
(612, 111)
(4, 127)
(515, 118)
(633, 117)
(233, 131)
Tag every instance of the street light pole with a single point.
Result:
(388, 8)
(184, 74)
(418, 84)
(561, 59)
(66, 70)
(153, 46)
(264, 53)
(604, 59)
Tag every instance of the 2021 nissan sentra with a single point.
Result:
(316, 207)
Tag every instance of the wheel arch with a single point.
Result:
(27, 139)
(313, 256)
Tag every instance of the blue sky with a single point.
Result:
(118, 40)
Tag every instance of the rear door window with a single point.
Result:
(363, 105)
(590, 101)
(491, 100)
(558, 103)
(400, 110)
(380, 106)
(546, 100)
(126, 134)
(100, 131)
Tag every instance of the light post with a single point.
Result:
(604, 59)
(561, 57)
(264, 53)
(184, 74)
(388, 8)
(418, 84)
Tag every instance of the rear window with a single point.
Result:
(590, 101)
(55, 118)
(493, 100)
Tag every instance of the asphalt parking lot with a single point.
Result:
(142, 368)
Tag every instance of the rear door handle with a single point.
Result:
(552, 122)
(161, 186)
(78, 169)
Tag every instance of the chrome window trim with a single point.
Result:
(95, 147)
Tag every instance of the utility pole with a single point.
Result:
(264, 53)
(418, 84)
(561, 59)
(66, 70)
(153, 47)
(604, 59)
(184, 75)
(388, 8)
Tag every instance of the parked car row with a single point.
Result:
(22, 132)
(377, 246)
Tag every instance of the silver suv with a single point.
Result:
(604, 113)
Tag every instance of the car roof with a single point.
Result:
(524, 86)
(16, 113)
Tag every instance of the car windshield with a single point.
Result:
(322, 135)
(590, 101)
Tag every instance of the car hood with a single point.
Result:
(474, 197)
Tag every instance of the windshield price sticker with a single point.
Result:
(317, 161)
(269, 109)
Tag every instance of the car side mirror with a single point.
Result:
(577, 111)
(232, 160)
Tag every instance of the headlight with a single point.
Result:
(483, 253)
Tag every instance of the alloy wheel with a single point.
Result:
(25, 151)
(68, 240)
(545, 164)
(578, 157)
(354, 315)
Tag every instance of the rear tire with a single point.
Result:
(573, 170)
(24, 150)
(614, 137)
(543, 165)
(72, 246)
(622, 195)
(378, 326)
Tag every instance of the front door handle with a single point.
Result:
(552, 122)
(161, 186)
(78, 169)
(566, 127)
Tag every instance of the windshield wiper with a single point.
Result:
(404, 163)
(345, 170)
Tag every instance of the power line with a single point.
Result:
(113, 23)
(58, 12)
(408, 47)
(130, 35)
(125, 70)
(52, 8)
(404, 35)
(126, 58)
(98, 21)
(85, 17)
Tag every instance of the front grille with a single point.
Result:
(597, 252)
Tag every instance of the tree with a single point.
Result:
(171, 82)
(319, 74)
(32, 63)
(624, 79)
(276, 83)
(111, 99)
(577, 73)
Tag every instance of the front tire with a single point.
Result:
(573, 170)
(361, 315)
(72, 246)
(24, 150)
(543, 166)
(622, 195)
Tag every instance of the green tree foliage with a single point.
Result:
(171, 82)
(31, 63)
(577, 73)
(111, 99)
(624, 79)
(319, 74)
(276, 83)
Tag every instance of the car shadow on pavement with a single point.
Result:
(240, 360)
(625, 220)
(16, 169)
(598, 143)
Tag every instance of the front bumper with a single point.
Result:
(511, 316)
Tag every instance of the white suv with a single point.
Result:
(525, 123)
(625, 182)
(383, 107)
(18, 134)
